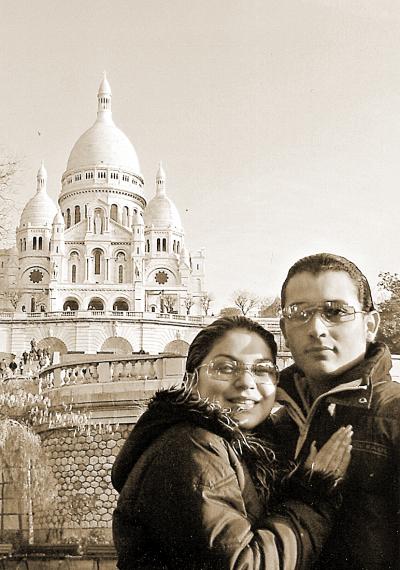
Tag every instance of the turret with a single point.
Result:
(138, 260)
(104, 100)
(41, 178)
(57, 235)
(160, 181)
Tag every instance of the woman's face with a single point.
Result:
(249, 401)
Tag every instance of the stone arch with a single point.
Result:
(177, 346)
(54, 344)
(117, 345)
(121, 304)
(98, 262)
(96, 304)
(163, 277)
(71, 304)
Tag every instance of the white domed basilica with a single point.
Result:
(103, 253)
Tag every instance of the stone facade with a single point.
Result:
(104, 251)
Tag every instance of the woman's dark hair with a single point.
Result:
(207, 337)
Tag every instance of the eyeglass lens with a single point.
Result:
(226, 369)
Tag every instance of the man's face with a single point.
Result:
(322, 350)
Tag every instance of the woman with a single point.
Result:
(198, 489)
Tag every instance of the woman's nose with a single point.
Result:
(246, 379)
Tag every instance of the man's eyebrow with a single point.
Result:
(315, 304)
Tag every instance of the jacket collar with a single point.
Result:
(292, 389)
(183, 405)
(373, 369)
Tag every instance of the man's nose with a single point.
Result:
(245, 379)
(316, 326)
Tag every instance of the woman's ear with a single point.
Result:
(190, 379)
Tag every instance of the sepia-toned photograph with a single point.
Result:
(199, 285)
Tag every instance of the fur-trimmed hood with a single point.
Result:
(184, 405)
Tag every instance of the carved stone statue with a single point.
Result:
(97, 223)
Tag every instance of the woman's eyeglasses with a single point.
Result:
(229, 370)
(332, 313)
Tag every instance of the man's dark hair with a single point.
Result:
(321, 262)
(207, 337)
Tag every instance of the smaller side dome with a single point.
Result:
(40, 210)
(161, 212)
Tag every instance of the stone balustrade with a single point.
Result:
(101, 314)
(95, 369)
(112, 388)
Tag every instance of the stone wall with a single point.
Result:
(81, 466)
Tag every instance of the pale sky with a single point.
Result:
(278, 122)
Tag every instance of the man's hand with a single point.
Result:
(334, 456)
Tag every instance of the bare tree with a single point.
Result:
(205, 300)
(245, 300)
(189, 302)
(8, 169)
(168, 303)
(270, 307)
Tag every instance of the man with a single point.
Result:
(341, 377)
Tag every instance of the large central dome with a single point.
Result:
(104, 143)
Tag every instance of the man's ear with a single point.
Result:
(372, 322)
(282, 322)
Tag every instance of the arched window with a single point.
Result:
(125, 216)
(77, 214)
(174, 246)
(148, 246)
(164, 244)
(120, 305)
(177, 247)
(114, 212)
(40, 242)
(73, 274)
(71, 305)
(97, 261)
(158, 244)
(24, 244)
(34, 243)
(20, 244)
(68, 216)
(96, 304)
(121, 274)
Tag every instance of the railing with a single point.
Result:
(99, 369)
(101, 314)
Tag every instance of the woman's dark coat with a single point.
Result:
(196, 493)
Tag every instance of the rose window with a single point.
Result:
(36, 276)
(161, 277)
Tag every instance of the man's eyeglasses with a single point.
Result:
(229, 370)
(332, 313)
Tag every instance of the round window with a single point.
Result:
(36, 276)
(161, 277)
